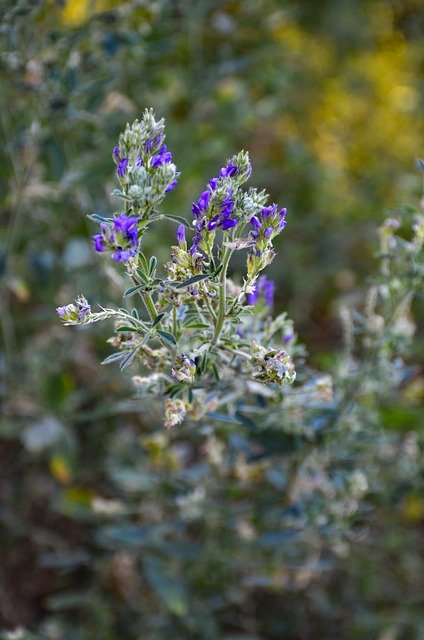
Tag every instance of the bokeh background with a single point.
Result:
(328, 99)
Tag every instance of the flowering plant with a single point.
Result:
(299, 464)
(202, 338)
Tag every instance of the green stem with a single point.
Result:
(209, 306)
(222, 297)
(150, 305)
(174, 321)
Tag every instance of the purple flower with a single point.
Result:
(83, 310)
(153, 143)
(264, 288)
(99, 243)
(116, 152)
(163, 157)
(121, 237)
(171, 186)
(202, 204)
(282, 223)
(266, 225)
(228, 171)
(122, 167)
(227, 223)
(226, 209)
(213, 183)
(213, 223)
(74, 313)
(181, 234)
(254, 220)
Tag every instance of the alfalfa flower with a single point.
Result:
(120, 237)
(184, 368)
(76, 313)
(175, 412)
(263, 289)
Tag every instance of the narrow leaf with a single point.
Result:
(192, 280)
(152, 265)
(195, 325)
(167, 336)
(118, 193)
(157, 319)
(97, 218)
(114, 357)
(132, 290)
(175, 218)
(128, 359)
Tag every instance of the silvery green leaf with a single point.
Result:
(114, 357)
(157, 319)
(132, 290)
(152, 265)
(118, 194)
(192, 280)
(97, 218)
(128, 358)
(243, 243)
(174, 218)
(168, 337)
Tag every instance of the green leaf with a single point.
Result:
(175, 218)
(118, 193)
(126, 329)
(247, 422)
(168, 337)
(201, 364)
(174, 389)
(171, 592)
(132, 290)
(157, 319)
(192, 280)
(128, 358)
(143, 275)
(217, 271)
(152, 265)
(143, 262)
(114, 357)
(195, 325)
(97, 218)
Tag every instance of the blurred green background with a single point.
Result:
(328, 99)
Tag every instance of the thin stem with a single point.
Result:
(174, 321)
(150, 305)
(209, 306)
(222, 296)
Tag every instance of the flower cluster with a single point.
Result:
(175, 412)
(217, 207)
(77, 313)
(266, 225)
(272, 365)
(184, 368)
(144, 164)
(120, 237)
(184, 263)
(264, 288)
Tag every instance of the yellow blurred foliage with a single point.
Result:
(76, 12)
(413, 509)
(60, 469)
